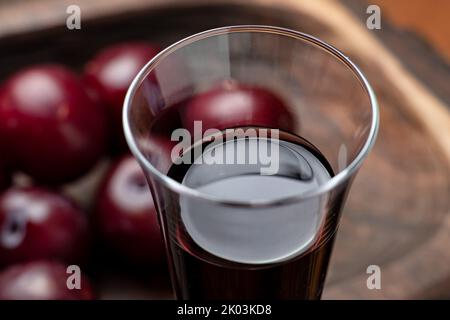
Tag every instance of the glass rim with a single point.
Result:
(182, 189)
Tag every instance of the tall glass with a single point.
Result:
(302, 115)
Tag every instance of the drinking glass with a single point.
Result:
(231, 230)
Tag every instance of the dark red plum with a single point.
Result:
(52, 129)
(42, 280)
(126, 216)
(36, 223)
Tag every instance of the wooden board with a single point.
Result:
(398, 212)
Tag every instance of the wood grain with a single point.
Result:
(428, 19)
(413, 50)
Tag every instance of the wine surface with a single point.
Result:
(234, 252)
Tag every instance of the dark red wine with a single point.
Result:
(231, 252)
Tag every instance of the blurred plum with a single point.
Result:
(41, 280)
(36, 223)
(50, 128)
(126, 216)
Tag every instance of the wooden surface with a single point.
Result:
(407, 35)
(398, 213)
(428, 19)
